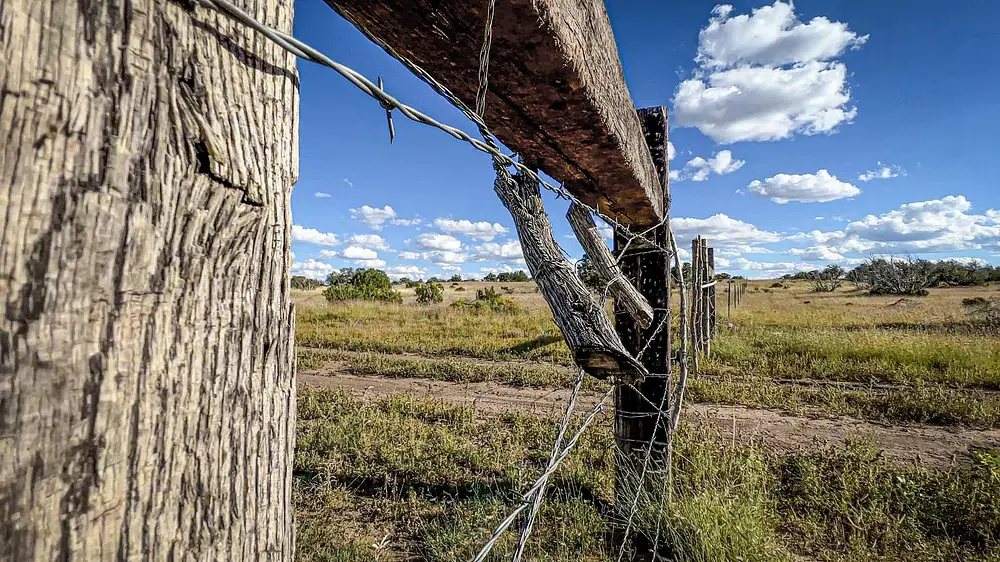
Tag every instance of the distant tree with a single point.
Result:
(365, 284)
(342, 276)
(405, 281)
(828, 280)
(304, 283)
(518, 276)
(491, 278)
(435, 280)
(722, 276)
(893, 276)
(588, 274)
(457, 278)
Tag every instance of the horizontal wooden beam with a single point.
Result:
(557, 93)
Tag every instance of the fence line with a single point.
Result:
(671, 399)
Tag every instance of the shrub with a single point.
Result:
(983, 311)
(777, 285)
(429, 293)
(588, 274)
(305, 283)
(456, 278)
(363, 284)
(343, 276)
(518, 276)
(508, 290)
(413, 284)
(828, 280)
(894, 276)
(488, 299)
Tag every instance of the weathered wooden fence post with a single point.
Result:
(648, 268)
(695, 304)
(729, 300)
(147, 396)
(712, 295)
(638, 423)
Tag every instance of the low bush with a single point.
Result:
(488, 299)
(429, 293)
(364, 284)
(304, 283)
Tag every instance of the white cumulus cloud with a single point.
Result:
(312, 269)
(820, 187)
(935, 226)
(816, 253)
(509, 251)
(373, 241)
(359, 253)
(698, 168)
(395, 272)
(882, 172)
(481, 230)
(434, 241)
(313, 236)
(771, 35)
(767, 76)
(722, 231)
(374, 217)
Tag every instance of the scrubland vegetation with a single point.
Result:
(404, 477)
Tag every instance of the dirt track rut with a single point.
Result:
(931, 445)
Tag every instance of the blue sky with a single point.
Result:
(806, 134)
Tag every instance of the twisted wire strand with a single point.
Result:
(488, 145)
(501, 162)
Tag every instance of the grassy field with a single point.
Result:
(408, 478)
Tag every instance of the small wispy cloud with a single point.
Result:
(882, 172)
(348, 182)
(322, 195)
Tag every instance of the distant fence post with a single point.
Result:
(648, 268)
(695, 303)
(712, 295)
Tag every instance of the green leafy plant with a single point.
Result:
(363, 284)
(429, 293)
(488, 299)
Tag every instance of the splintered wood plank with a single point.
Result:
(557, 93)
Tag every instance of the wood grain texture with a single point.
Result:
(584, 325)
(624, 293)
(146, 363)
(557, 93)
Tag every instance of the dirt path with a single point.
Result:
(928, 444)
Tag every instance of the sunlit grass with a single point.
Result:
(784, 332)
(404, 478)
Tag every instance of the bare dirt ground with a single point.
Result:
(930, 445)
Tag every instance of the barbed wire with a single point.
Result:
(487, 145)
(532, 498)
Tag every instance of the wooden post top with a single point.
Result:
(557, 93)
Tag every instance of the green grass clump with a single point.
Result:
(403, 478)
(912, 404)
(862, 355)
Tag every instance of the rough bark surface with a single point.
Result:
(557, 92)
(638, 424)
(624, 293)
(584, 325)
(146, 368)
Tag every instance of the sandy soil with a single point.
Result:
(931, 445)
